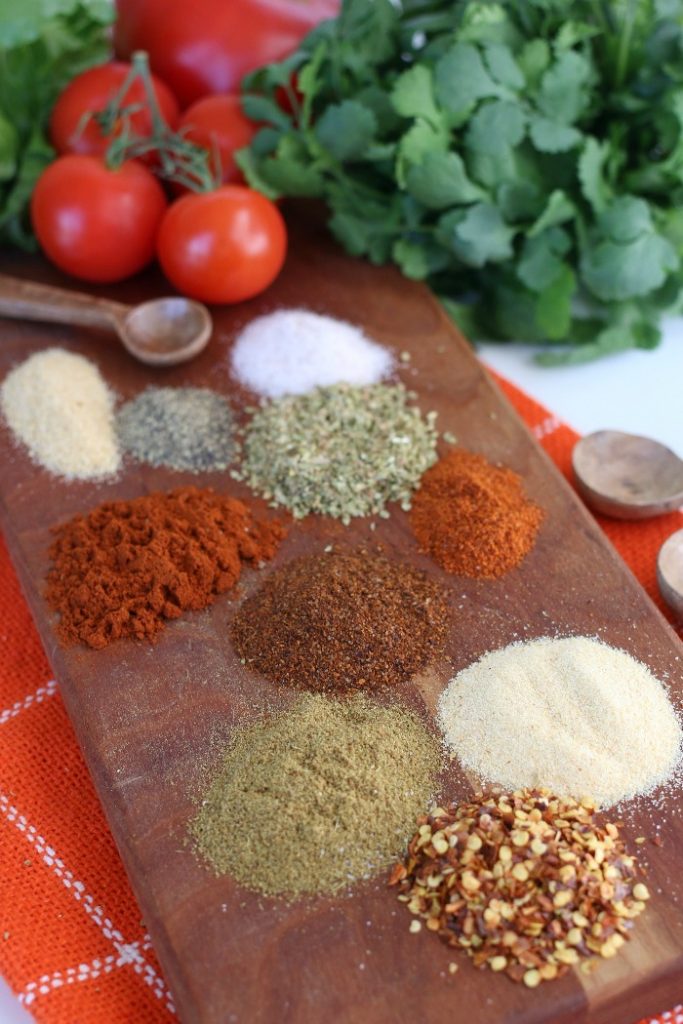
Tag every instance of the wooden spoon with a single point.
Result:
(670, 572)
(161, 332)
(626, 476)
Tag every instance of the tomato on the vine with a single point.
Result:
(222, 246)
(200, 47)
(95, 223)
(72, 131)
(217, 124)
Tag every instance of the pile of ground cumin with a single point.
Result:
(318, 796)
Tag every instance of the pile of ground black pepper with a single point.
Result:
(181, 428)
(338, 621)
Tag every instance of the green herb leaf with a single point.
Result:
(554, 308)
(563, 94)
(441, 181)
(503, 66)
(552, 136)
(478, 236)
(413, 95)
(496, 124)
(616, 272)
(541, 260)
(346, 130)
(462, 79)
(591, 174)
(519, 156)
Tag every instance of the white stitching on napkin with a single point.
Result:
(33, 698)
(127, 953)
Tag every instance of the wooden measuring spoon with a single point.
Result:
(626, 476)
(161, 332)
(670, 572)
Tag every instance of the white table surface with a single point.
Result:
(641, 392)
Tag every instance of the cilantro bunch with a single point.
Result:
(524, 157)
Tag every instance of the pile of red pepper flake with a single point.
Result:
(527, 883)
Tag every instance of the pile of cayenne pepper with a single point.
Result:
(472, 517)
(126, 567)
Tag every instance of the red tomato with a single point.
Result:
(218, 124)
(207, 46)
(97, 224)
(91, 92)
(222, 246)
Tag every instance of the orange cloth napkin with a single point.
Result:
(72, 944)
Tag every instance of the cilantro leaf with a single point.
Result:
(440, 181)
(541, 260)
(517, 156)
(592, 174)
(554, 307)
(496, 124)
(502, 66)
(625, 219)
(413, 95)
(462, 79)
(563, 95)
(551, 136)
(346, 129)
(615, 272)
(478, 236)
(558, 210)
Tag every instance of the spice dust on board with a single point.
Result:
(342, 621)
(571, 713)
(58, 405)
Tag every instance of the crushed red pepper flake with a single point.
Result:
(527, 883)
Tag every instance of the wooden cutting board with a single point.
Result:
(150, 720)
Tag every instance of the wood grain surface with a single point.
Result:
(151, 720)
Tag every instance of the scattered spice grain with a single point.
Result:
(527, 883)
(339, 451)
(342, 621)
(58, 405)
(181, 428)
(127, 567)
(317, 797)
(571, 713)
(473, 517)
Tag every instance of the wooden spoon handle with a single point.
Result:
(27, 300)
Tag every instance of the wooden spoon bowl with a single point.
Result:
(160, 332)
(626, 476)
(670, 572)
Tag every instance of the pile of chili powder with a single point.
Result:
(342, 621)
